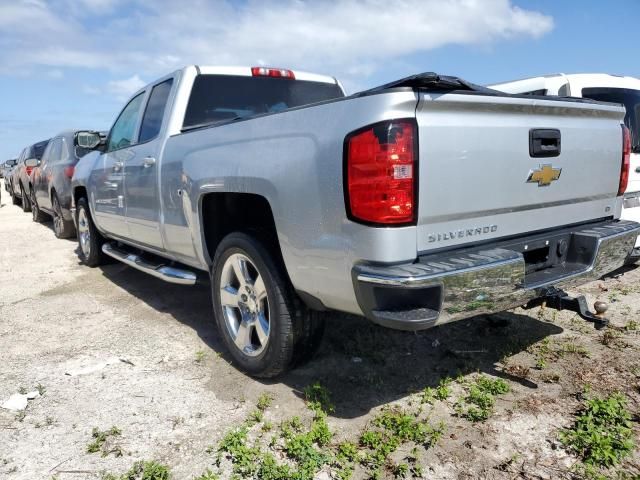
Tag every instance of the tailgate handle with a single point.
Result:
(544, 142)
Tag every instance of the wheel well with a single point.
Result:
(223, 213)
(78, 193)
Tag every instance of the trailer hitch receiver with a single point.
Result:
(560, 300)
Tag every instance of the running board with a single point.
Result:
(158, 270)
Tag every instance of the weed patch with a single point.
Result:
(601, 435)
(145, 471)
(442, 392)
(481, 397)
(104, 442)
(308, 446)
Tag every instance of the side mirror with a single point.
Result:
(86, 139)
(31, 162)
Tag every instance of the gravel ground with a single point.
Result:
(114, 347)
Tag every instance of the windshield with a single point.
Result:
(630, 99)
(218, 98)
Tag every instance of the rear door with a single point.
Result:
(44, 173)
(108, 174)
(141, 190)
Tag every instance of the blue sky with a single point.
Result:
(72, 63)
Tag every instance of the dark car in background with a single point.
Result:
(50, 183)
(21, 173)
(5, 171)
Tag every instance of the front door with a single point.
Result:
(108, 175)
(141, 190)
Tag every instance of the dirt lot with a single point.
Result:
(144, 357)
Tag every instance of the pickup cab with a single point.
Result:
(416, 203)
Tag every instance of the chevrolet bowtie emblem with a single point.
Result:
(544, 175)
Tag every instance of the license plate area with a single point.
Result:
(543, 252)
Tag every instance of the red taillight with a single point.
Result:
(626, 160)
(68, 171)
(28, 170)
(380, 170)
(272, 72)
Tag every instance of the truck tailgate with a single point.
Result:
(477, 179)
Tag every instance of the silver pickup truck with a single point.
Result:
(416, 203)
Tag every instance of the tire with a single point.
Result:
(292, 333)
(38, 215)
(90, 241)
(14, 198)
(26, 204)
(61, 227)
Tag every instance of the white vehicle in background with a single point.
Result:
(605, 88)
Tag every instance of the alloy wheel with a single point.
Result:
(84, 233)
(245, 304)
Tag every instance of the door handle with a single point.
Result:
(544, 142)
(117, 166)
(149, 162)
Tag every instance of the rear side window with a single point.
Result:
(53, 151)
(152, 120)
(123, 130)
(64, 150)
(219, 98)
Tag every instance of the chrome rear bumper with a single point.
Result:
(444, 287)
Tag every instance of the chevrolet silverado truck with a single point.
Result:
(414, 204)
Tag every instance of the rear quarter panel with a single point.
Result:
(295, 160)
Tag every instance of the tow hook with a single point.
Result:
(560, 300)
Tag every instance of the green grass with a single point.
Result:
(309, 446)
(100, 442)
(481, 395)
(318, 398)
(602, 434)
(144, 471)
(200, 356)
(208, 475)
(264, 401)
(442, 392)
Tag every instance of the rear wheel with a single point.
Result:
(37, 214)
(14, 198)
(62, 228)
(26, 204)
(265, 327)
(89, 239)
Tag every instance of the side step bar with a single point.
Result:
(163, 272)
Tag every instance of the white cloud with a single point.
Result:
(350, 38)
(124, 88)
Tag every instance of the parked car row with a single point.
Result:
(420, 202)
(40, 181)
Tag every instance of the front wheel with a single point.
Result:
(263, 324)
(89, 239)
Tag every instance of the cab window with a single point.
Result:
(152, 119)
(123, 131)
(53, 151)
